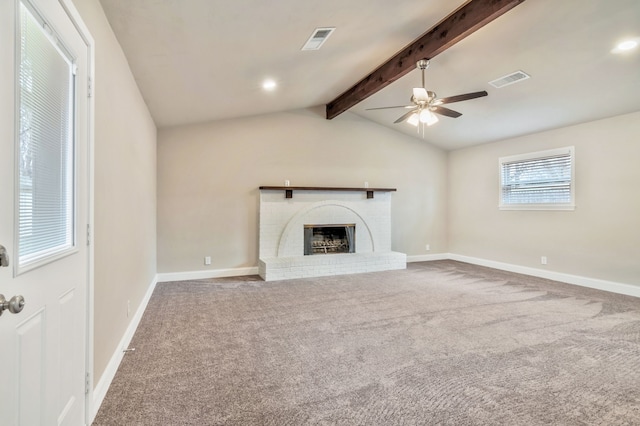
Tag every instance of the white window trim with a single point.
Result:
(31, 262)
(531, 156)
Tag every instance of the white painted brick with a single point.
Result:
(282, 240)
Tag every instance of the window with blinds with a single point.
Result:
(45, 219)
(538, 181)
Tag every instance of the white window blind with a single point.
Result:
(542, 180)
(45, 166)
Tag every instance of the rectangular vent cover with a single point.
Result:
(514, 77)
(318, 37)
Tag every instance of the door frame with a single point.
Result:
(86, 36)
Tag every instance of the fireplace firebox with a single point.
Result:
(329, 239)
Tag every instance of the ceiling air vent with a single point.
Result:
(514, 77)
(317, 39)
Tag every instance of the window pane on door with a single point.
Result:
(46, 160)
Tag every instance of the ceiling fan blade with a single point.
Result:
(459, 98)
(445, 111)
(420, 94)
(389, 107)
(405, 116)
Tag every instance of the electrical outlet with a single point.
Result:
(207, 260)
(543, 260)
(128, 308)
(427, 247)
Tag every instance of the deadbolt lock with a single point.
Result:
(4, 257)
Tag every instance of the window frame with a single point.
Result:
(538, 155)
(33, 261)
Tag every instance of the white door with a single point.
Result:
(43, 347)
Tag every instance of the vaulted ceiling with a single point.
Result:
(204, 60)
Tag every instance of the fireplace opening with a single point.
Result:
(329, 239)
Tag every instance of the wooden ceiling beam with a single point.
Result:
(464, 21)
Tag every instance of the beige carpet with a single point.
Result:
(442, 343)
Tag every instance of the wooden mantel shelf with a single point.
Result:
(288, 190)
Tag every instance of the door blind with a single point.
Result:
(45, 165)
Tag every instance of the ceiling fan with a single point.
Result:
(426, 104)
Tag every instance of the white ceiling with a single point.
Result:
(203, 60)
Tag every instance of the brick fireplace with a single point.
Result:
(288, 213)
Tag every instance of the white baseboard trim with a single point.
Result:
(611, 286)
(200, 275)
(101, 388)
(427, 257)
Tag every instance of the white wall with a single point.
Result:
(600, 239)
(125, 190)
(209, 174)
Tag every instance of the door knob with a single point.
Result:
(13, 305)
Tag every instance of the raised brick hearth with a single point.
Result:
(282, 222)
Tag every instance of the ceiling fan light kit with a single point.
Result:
(426, 103)
(428, 117)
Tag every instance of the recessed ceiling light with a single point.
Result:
(626, 45)
(269, 85)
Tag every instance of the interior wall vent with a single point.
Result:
(506, 80)
(318, 37)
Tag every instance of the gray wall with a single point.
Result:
(125, 190)
(209, 174)
(600, 239)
